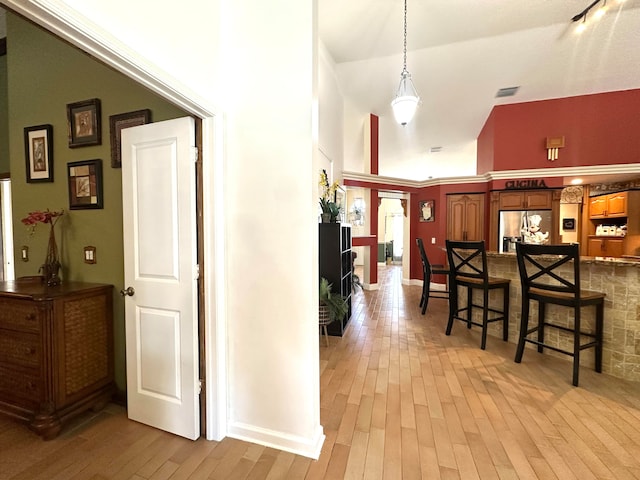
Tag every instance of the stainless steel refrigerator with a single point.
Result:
(528, 226)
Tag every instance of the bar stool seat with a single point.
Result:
(468, 265)
(547, 276)
(428, 270)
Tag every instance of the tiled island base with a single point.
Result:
(618, 278)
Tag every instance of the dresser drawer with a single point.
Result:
(19, 315)
(20, 384)
(19, 348)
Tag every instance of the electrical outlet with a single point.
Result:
(433, 240)
(24, 253)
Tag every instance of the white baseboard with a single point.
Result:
(307, 447)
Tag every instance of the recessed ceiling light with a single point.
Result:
(576, 181)
(507, 92)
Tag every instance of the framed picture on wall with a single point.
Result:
(119, 122)
(428, 211)
(83, 120)
(85, 184)
(340, 199)
(38, 149)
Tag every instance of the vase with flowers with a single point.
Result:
(51, 267)
(330, 209)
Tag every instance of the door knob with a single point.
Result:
(129, 291)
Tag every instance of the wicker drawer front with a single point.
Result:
(18, 315)
(19, 348)
(19, 384)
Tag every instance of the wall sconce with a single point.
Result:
(553, 144)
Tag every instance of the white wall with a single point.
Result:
(261, 77)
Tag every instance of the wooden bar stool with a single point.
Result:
(428, 271)
(468, 265)
(548, 280)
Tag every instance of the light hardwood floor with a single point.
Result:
(399, 400)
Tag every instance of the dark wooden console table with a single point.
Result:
(56, 351)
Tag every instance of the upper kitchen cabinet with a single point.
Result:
(609, 206)
(526, 200)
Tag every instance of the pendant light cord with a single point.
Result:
(404, 69)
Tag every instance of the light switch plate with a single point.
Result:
(89, 254)
(433, 240)
(24, 253)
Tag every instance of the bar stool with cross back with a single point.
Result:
(548, 276)
(468, 266)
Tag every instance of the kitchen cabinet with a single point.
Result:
(599, 246)
(526, 200)
(465, 216)
(56, 351)
(613, 205)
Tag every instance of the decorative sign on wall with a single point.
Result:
(524, 184)
(428, 211)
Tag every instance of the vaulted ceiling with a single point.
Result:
(460, 52)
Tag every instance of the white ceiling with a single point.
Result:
(460, 52)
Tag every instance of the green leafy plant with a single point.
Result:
(336, 303)
(327, 192)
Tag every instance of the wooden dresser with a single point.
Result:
(56, 351)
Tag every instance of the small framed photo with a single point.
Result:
(569, 224)
(428, 211)
(84, 123)
(85, 184)
(119, 122)
(38, 149)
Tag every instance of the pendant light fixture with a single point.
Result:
(406, 102)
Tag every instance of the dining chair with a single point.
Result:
(550, 274)
(428, 270)
(468, 266)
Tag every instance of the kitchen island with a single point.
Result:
(619, 278)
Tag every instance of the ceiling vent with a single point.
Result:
(435, 149)
(507, 92)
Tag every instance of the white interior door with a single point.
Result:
(159, 222)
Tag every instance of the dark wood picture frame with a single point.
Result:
(428, 211)
(38, 150)
(85, 184)
(83, 119)
(119, 122)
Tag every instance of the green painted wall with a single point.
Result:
(44, 75)
(4, 117)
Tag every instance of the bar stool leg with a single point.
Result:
(524, 326)
(541, 317)
(485, 318)
(469, 307)
(599, 323)
(505, 310)
(576, 346)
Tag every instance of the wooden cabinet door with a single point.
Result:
(598, 207)
(465, 217)
(456, 217)
(474, 220)
(617, 205)
(511, 200)
(605, 247)
(538, 200)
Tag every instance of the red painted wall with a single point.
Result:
(599, 129)
(438, 228)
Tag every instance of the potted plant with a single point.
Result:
(330, 210)
(333, 303)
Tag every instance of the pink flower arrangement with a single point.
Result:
(48, 216)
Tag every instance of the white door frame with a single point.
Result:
(68, 25)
